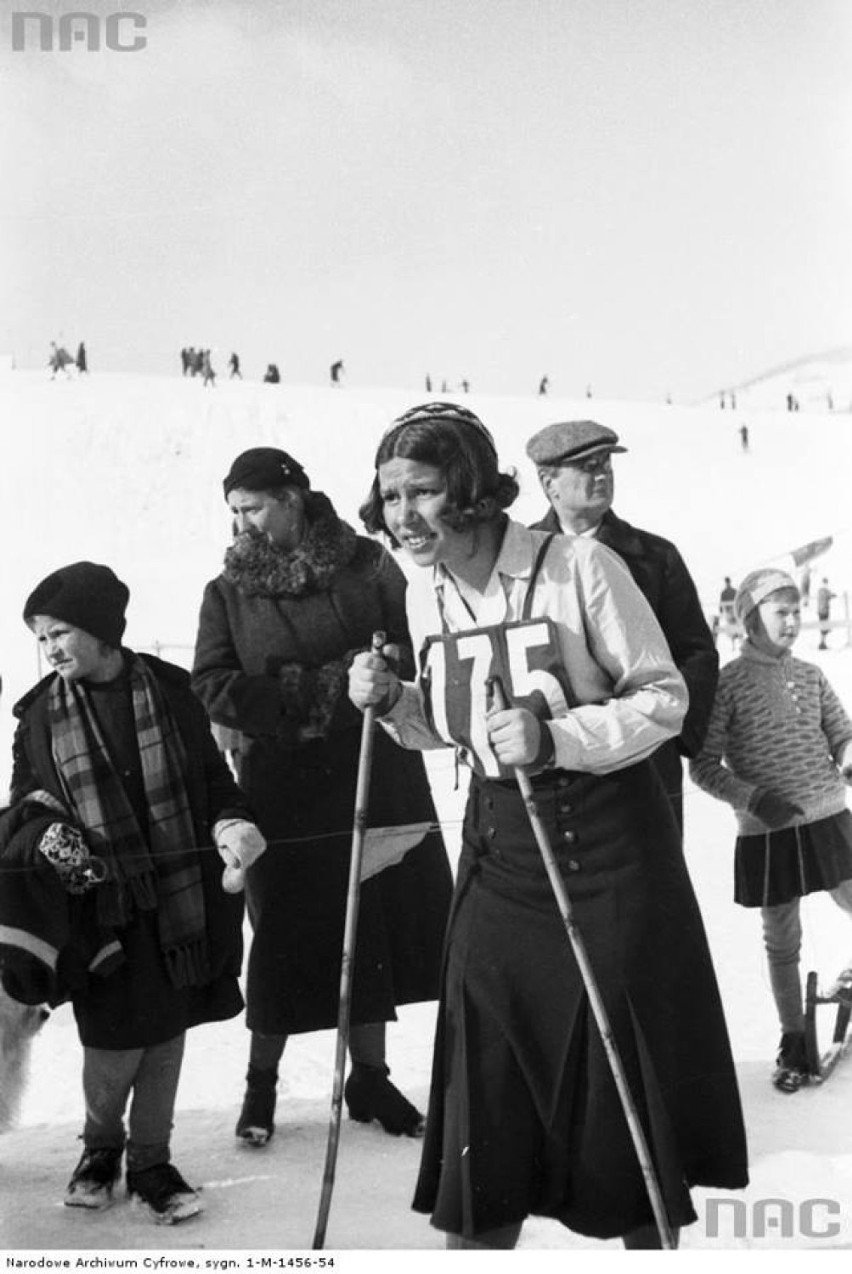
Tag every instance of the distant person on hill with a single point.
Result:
(824, 599)
(82, 359)
(779, 750)
(185, 358)
(727, 614)
(336, 373)
(574, 464)
(272, 376)
(60, 361)
(465, 386)
(207, 370)
(744, 437)
(234, 365)
(543, 386)
(428, 383)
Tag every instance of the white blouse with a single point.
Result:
(629, 695)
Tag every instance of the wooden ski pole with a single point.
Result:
(353, 897)
(497, 697)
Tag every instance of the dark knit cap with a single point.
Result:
(571, 440)
(86, 595)
(264, 469)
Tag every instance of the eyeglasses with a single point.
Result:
(601, 462)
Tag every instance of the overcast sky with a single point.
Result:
(647, 197)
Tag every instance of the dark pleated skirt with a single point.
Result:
(776, 867)
(524, 1115)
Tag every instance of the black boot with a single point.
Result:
(370, 1095)
(791, 1064)
(256, 1123)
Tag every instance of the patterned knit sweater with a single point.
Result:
(776, 725)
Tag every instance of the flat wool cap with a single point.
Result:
(757, 586)
(571, 440)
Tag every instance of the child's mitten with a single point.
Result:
(240, 843)
(773, 810)
(65, 849)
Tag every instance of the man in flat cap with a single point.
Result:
(574, 464)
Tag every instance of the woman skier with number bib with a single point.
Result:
(524, 1115)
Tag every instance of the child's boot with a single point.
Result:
(791, 1064)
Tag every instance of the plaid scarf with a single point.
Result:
(159, 870)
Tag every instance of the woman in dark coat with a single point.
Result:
(299, 595)
(119, 789)
(524, 1114)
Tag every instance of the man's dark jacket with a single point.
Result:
(661, 573)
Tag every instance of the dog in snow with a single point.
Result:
(19, 1024)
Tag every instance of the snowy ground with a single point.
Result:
(128, 471)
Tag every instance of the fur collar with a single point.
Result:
(259, 568)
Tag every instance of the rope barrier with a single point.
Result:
(344, 833)
(690, 791)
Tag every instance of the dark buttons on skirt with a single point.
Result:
(570, 838)
(565, 808)
(573, 865)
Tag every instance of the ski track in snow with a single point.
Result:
(128, 471)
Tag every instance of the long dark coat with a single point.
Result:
(135, 1005)
(303, 795)
(661, 573)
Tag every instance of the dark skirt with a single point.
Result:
(524, 1115)
(775, 867)
(296, 892)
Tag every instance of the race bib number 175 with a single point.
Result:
(455, 669)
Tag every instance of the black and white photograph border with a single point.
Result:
(281, 223)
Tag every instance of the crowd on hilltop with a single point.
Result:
(198, 362)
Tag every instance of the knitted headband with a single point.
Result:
(757, 586)
(426, 412)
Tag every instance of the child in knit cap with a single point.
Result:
(779, 750)
(118, 797)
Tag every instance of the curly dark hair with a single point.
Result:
(455, 441)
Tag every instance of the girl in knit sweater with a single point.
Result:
(779, 750)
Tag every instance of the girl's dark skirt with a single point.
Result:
(776, 867)
(524, 1116)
